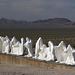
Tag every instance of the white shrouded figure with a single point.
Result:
(50, 52)
(28, 45)
(6, 45)
(69, 55)
(6, 38)
(1, 43)
(13, 42)
(59, 52)
(46, 53)
(18, 48)
(15, 49)
(38, 45)
(22, 47)
(42, 54)
(51, 46)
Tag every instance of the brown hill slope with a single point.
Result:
(39, 24)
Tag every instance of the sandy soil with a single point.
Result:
(27, 70)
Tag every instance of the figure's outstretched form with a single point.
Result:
(38, 46)
(28, 45)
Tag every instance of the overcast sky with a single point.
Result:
(30, 10)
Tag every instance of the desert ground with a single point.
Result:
(27, 70)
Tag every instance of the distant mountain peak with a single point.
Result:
(5, 21)
(2, 18)
(9, 21)
(40, 24)
(62, 19)
(54, 20)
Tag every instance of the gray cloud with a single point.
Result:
(37, 9)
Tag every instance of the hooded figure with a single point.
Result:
(59, 52)
(18, 48)
(1, 43)
(70, 55)
(46, 53)
(13, 42)
(38, 46)
(28, 45)
(6, 46)
(50, 52)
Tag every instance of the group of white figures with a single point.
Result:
(42, 52)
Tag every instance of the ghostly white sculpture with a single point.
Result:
(59, 52)
(15, 49)
(69, 55)
(51, 46)
(28, 45)
(46, 53)
(42, 54)
(22, 47)
(39, 44)
(13, 42)
(1, 43)
(6, 38)
(18, 48)
(6, 46)
(50, 52)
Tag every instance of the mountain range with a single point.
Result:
(38, 24)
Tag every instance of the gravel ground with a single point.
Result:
(27, 70)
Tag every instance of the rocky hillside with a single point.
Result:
(55, 20)
(39, 24)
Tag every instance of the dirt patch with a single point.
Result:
(27, 70)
